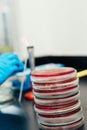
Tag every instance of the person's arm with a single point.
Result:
(9, 64)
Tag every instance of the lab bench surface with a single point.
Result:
(28, 107)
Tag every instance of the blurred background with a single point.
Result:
(54, 27)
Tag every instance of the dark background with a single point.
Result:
(78, 62)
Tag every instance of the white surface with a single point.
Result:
(54, 27)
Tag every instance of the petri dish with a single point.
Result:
(61, 119)
(56, 101)
(58, 109)
(56, 86)
(53, 75)
(72, 126)
(60, 93)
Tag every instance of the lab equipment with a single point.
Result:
(22, 83)
(9, 64)
(57, 98)
(12, 115)
(30, 50)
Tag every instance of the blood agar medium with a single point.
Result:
(57, 98)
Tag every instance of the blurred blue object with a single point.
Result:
(9, 64)
(48, 66)
(27, 84)
(16, 80)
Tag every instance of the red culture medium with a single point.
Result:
(56, 94)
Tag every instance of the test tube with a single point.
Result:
(30, 50)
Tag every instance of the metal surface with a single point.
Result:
(28, 107)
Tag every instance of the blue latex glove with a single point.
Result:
(9, 64)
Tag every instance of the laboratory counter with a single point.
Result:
(28, 107)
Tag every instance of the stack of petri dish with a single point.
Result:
(57, 98)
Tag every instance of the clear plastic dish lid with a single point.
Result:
(53, 75)
(60, 120)
(72, 126)
(57, 109)
(56, 101)
(56, 93)
(56, 86)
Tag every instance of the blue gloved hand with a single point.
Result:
(9, 64)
